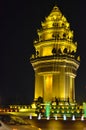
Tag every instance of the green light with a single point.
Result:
(84, 109)
(47, 109)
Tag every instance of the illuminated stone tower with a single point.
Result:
(54, 60)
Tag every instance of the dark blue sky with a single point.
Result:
(19, 21)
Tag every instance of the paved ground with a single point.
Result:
(59, 124)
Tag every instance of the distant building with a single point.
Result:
(55, 59)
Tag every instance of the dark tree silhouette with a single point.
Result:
(40, 99)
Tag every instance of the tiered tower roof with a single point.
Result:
(56, 29)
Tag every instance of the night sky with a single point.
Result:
(19, 21)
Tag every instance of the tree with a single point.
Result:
(40, 99)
